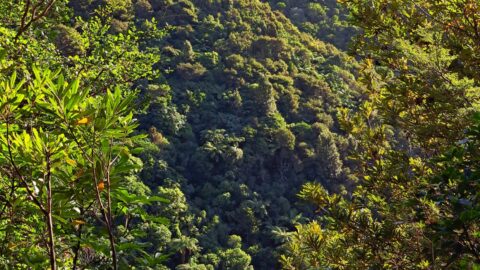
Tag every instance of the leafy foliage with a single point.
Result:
(176, 134)
(411, 132)
(66, 169)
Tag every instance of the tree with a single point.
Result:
(454, 190)
(418, 104)
(67, 161)
(235, 259)
(69, 41)
(186, 246)
(65, 147)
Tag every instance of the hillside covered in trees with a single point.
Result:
(239, 134)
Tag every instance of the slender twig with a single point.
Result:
(34, 17)
(106, 214)
(109, 209)
(12, 192)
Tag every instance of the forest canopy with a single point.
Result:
(246, 134)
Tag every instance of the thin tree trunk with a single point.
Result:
(53, 262)
(110, 221)
(77, 247)
(182, 256)
(106, 211)
(112, 248)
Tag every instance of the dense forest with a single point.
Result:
(239, 134)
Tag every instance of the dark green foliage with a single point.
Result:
(323, 19)
(455, 190)
(242, 102)
(249, 116)
(143, 9)
(69, 41)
